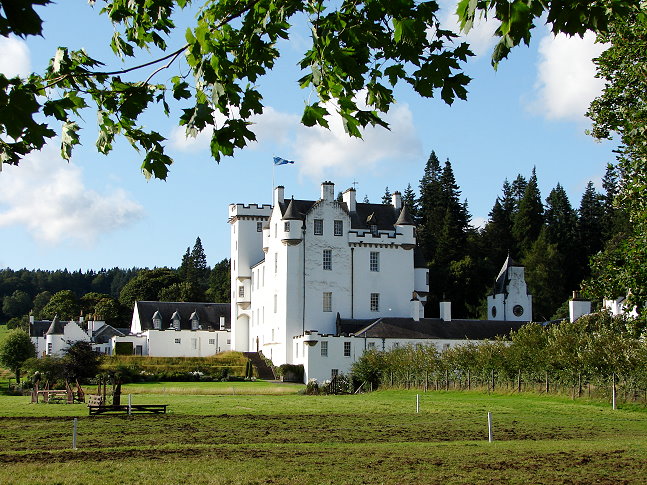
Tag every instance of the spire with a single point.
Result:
(405, 218)
(291, 212)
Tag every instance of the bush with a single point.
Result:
(292, 372)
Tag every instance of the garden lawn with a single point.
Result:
(294, 438)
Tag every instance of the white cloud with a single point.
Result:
(321, 151)
(14, 57)
(566, 82)
(47, 196)
(334, 153)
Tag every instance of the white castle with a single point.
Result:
(319, 282)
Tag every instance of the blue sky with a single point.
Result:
(99, 211)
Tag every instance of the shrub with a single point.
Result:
(291, 372)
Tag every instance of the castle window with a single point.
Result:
(275, 230)
(212, 341)
(276, 263)
(324, 348)
(286, 226)
(241, 291)
(375, 261)
(346, 349)
(318, 227)
(334, 373)
(276, 304)
(339, 228)
(375, 302)
(327, 259)
(259, 227)
(517, 310)
(327, 301)
(178, 341)
(371, 346)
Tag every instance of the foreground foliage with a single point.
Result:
(591, 352)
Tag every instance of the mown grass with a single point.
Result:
(294, 438)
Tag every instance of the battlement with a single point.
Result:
(250, 210)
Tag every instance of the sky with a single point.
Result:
(100, 211)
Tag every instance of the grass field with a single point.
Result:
(257, 434)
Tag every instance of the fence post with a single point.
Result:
(74, 434)
(490, 438)
(129, 404)
(613, 391)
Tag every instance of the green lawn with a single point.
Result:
(213, 435)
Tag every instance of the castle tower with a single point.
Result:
(510, 300)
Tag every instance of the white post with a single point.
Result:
(417, 403)
(74, 435)
(613, 391)
(489, 427)
(129, 403)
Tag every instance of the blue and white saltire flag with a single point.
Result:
(282, 161)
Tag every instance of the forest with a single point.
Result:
(556, 242)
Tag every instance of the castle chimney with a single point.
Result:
(279, 196)
(396, 200)
(328, 191)
(349, 199)
(446, 311)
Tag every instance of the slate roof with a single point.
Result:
(384, 216)
(208, 313)
(430, 328)
(105, 333)
(502, 278)
(39, 328)
(56, 327)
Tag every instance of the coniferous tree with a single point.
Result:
(528, 220)
(561, 230)
(386, 198)
(590, 227)
(409, 199)
(431, 210)
(544, 276)
(518, 188)
(199, 263)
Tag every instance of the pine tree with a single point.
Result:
(544, 276)
(518, 188)
(561, 230)
(409, 199)
(528, 221)
(387, 197)
(431, 210)
(590, 224)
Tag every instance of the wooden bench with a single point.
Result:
(96, 406)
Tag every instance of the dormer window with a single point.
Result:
(195, 321)
(157, 321)
(286, 226)
(175, 321)
(374, 230)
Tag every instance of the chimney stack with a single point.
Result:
(328, 191)
(396, 200)
(446, 311)
(279, 195)
(349, 199)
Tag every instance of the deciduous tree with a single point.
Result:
(15, 349)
